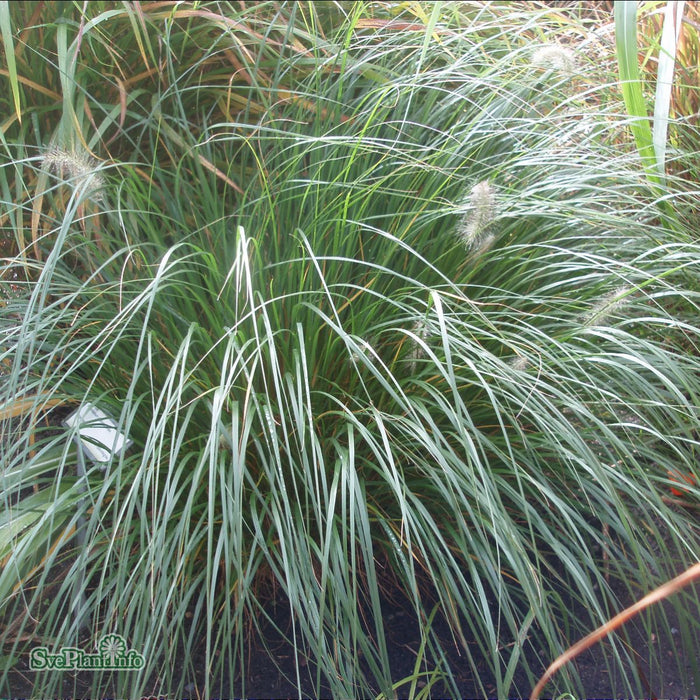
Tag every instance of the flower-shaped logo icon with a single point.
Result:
(111, 647)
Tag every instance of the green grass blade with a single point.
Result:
(631, 84)
(9, 47)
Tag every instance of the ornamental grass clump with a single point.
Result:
(326, 397)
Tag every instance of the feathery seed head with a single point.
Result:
(554, 57)
(77, 168)
(417, 351)
(485, 244)
(480, 215)
(607, 306)
(520, 363)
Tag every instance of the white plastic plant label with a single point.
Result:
(99, 434)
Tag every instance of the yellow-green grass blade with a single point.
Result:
(9, 46)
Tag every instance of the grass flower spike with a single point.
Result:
(554, 57)
(607, 306)
(417, 352)
(76, 168)
(472, 227)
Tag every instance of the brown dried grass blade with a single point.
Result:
(657, 595)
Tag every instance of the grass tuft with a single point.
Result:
(345, 367)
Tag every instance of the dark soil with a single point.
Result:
(666, 666)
